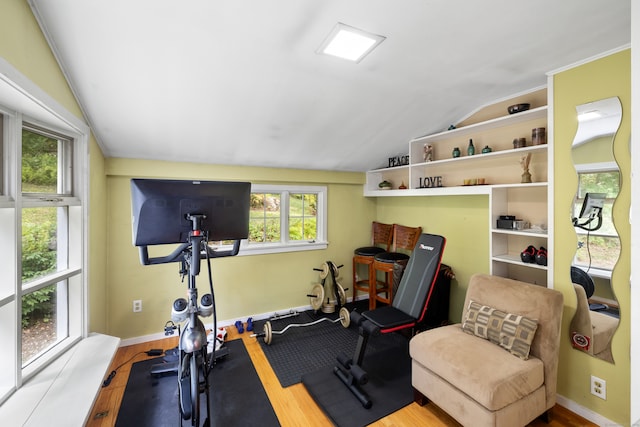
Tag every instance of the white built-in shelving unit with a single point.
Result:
(501, 171)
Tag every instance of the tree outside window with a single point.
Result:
(40, 254)
(303, 216)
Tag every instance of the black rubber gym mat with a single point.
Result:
(302, 350)
(237, 395)
(389, 388)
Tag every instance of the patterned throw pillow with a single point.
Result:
(512, 332)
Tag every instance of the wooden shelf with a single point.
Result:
(536, 113)
(438, 191)
(515, 259)
(530, 233)
(515, 152)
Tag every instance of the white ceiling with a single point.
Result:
(239, 82)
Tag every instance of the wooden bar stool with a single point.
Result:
(404, 240)
(381, 235)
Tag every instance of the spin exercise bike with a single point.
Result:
(191, 214)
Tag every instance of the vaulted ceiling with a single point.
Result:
(240, 82)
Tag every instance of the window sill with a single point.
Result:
(282, 248)
(71, 381)
(596, 272)
(7, 202)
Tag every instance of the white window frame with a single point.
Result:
(285, 245)
(21, 102)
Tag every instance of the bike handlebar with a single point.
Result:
(185, 248)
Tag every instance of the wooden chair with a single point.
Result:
(404, 240)
(381, 236)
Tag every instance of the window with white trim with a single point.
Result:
(42, 244)
(286, 218)
(46, 218)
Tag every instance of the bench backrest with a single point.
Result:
(417, 283)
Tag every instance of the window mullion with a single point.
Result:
(50, 279)
(284, 216)
(16, 192)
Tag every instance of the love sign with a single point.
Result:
(430, 182)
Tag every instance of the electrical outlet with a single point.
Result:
(599, 387)
(137, 305)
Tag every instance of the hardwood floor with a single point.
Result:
(293, 405)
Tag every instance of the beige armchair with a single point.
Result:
(592, 331)
(499, 367)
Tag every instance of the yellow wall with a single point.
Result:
(462, 220)
(244, 285)
(25, 48)
(98, 310)
(603, 78)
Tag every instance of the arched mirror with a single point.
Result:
(597, 314)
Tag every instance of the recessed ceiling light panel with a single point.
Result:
(349, 43)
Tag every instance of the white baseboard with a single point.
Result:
(221, 323)
(586, 413)
(224, 323)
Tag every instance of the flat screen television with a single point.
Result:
(160, 207)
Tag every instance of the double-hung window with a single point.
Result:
(286, 218)
(43, 188)
(50, 250)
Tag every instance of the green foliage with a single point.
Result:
(600, 182)
(39, 174)
(303, 216)
(303, 229)
(37, 259)
(37, 256)
(264, 231)
(264, 225)
(39, 162)
(37, 305)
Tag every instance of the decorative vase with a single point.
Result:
(526, 177)
(471, 150)
(385, 185)
(538, 136)
(486, 149)
(456, 152)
